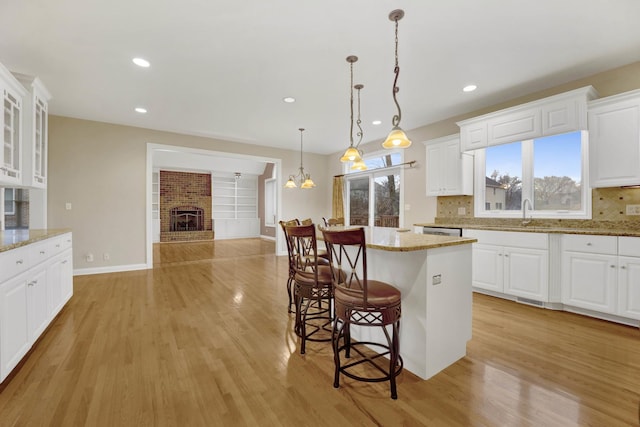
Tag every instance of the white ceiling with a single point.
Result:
(221, 69)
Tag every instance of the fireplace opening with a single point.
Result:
(187, 218)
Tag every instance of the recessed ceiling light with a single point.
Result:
(376, 122)
(469, 88)
(141, 110)
(289, 99)
(141, 62)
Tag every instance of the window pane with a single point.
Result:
(387, 200)
(383, 161)
(504, 177)
(359, 201)
(557, 172)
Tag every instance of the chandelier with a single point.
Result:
(396, 138)
(303, 179)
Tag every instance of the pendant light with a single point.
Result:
(351, 154)
(396, 138)
(304, 179)
(359, 165)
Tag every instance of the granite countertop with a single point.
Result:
(11, 239)
(605, 230)
(403, 239)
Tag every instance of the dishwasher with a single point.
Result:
(442, 231)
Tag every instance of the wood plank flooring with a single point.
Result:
(204, 339)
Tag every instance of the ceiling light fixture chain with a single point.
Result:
(351, 154)
(359, 163)
(358, 121)
(397, 137)
(396, 118)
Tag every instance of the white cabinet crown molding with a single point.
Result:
(564, 112)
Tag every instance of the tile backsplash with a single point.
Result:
(608, 205)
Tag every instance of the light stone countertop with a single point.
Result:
(403, 240)
(11, 239)
(602, 231)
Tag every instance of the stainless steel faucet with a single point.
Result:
(526, 221)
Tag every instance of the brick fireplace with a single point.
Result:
(185, 206)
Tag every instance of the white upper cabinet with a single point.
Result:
(35, 135)
(11, 121)
(449, 172)
(566, 112)
(614, 140)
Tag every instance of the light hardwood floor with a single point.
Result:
(204, 339)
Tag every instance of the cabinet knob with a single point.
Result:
(58, 245)
(623, 267)
(589, 244)
(506, 255)
(41, 252)
(19, 261)
(612, 266)
(64, 262)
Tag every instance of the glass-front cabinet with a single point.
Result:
(35, 137)
(11, 154)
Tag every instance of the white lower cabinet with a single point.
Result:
(589, 281)
(602, 273)
(14, 323)
(629, 287)
(512, 263)
(35, 282)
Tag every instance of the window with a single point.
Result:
(374, 196)
(270, 202)
(550, 172)
(9, 201)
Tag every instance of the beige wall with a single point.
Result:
(423, 208)
(101, 169)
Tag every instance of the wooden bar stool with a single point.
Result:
(362, 302)
(313, 287)
(292, 267)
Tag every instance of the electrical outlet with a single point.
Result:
(633, 209)
(89, 257)
(67, 206)
(462, 211)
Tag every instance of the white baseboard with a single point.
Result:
(110, 269)
(262, 236)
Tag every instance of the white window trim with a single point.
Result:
(527, 190)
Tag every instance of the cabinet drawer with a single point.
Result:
(629, 246)
(510, 238)
(39, 252)
(590, 244)
(13, 262)
(59, 244)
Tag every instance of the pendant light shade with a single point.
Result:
(351, 155)
(397, 138)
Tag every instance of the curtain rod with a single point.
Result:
(410, 164)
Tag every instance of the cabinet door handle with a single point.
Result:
(58, 245)
(64, 262)
(34, 282)
(623, 267)
(506, 255)
(41, 252)
(589, 244)
(18, 262)
(612, 266)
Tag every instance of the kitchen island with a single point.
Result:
(434, 275)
